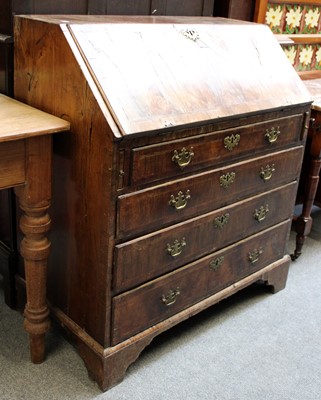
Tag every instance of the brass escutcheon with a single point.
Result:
(222, 220)
(227, 179)
(272, 134)
(180, 201)
(260, 214)
(176, 248)
(267, 172)
(183, 158)
(217, 263)
(255, 255)
(190, 34)
(230, 142)
(171, 296)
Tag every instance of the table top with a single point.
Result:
(20, 121)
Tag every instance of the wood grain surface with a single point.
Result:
(20, 121)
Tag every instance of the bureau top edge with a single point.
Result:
(181, 71)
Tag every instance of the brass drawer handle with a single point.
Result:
(217, 263)
(255, 255)
(176, 248)
(227, 179)
(222, 220)
(267, 172)
(184, 157)
(230, 142)
(180, 201)
(272, 134)
(171, 297)
(260, 214)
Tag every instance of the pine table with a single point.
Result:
(25, 164)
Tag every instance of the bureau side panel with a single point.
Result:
(48, 75)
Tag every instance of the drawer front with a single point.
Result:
(12, 163)
(173, 247)
(161, 298)
(169, 160)
(151, 209)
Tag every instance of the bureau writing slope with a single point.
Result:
(176, 186)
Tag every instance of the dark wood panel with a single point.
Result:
(242, 9)
(188, 7)
(120, 7)
(97, 7)
(237, 9)
(7, 270)
(208, 7)
(49, 7)
(11, 7)
(23, 7)
(3, 69)
(151, 7)
(61, 7)
(6, 68)
(5, 20)
(158, 7)
(5, 225)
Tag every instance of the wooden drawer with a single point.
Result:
(151, 209)
(12, 163)
(173, 247)
(168, 160)
(157, 300)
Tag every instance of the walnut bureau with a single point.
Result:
(25, 164)
(176, 186)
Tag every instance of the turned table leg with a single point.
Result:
(34, 223)
(34, 198)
